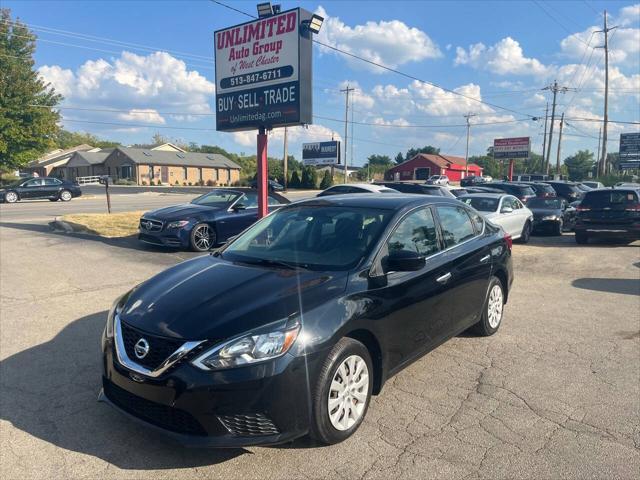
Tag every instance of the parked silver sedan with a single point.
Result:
(504, 210)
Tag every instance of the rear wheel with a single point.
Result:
(11, 197)
(65, 195)
(492, 312)
(341, 397)
(526, 233)
(582, 238)
(202, 238)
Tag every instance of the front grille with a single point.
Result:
(150, 225)
(249, 425)
(159, 347)
(159, 415)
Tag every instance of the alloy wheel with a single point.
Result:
(11, 197)
(494, 306)
(202, 237)
(348, 393)
(65, 196)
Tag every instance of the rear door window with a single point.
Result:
(415, 233)
(455, 224)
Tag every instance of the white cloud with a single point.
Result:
(437, 101)
(358, 97)
(629, 15)
(624, 45)
(391, 43)
(146, 116)
(504, 58)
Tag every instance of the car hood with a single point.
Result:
(210, 298)
(181, 211)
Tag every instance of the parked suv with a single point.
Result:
(521, 191)
(567, 190)
(611, 213)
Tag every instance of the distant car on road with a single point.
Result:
(273, 185)
(207, 221)
(33, 188)
(608, 213)
(356, 188)
(504, 210)
(593, 185)
(418, 188)
(552, 214)
(438, 180)
(472, 180)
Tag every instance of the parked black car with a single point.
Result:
(521, 191)
(291, 327)
(553, 215)
(272, 184)
(567, 190)
(541, 189)
(207, 221)
(418, 188)
(472, 181)
(608, 213)
(32, 188)
(484, 189)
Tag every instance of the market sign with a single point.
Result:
(321, 153)
(511, 148)
(263, 73)
(630, 147)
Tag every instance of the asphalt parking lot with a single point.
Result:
(556, 393)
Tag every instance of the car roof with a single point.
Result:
(391, 201)
(486, 195)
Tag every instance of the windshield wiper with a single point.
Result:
(275, 263)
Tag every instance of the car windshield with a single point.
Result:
(317, 237)
(545, 203)
(482, 204)
(216, 198)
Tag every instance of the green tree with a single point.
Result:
(399, 158)
(309, 177)
(66, 139)
(429, 150)
(580, 164)
(327, 181)
(294, 182)
(490, 166)
(28, 122)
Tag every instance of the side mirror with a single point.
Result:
(506, 210)
(239, 206)
(404, 261)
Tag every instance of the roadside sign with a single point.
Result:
(511, 148)
(321, 153)
(629, 165)
(263, 73)
(630, 148)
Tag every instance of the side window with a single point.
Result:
(273, 201)
(36, 182)
(516, 204)
(416, 233)
(52, 181)
(455, 224)
(507, 202)
(249, 200)
(477, 221)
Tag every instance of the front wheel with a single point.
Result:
(11, 197)
(65, 195)
(493, 310)
(202, 238)
(526, 233)
(341, 397)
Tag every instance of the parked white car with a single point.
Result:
(504, 210)
(356, 188)
(593, 185)
(438, 180)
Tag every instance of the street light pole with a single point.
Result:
(466, 155)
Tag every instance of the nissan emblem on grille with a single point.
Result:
(141, 348)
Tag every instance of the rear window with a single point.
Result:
(524, 191)
(609, 199)
(482, 204)
(543, 188)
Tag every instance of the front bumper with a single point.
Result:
(263, 404)
(627, 231)
(539, 224)
(178, 238)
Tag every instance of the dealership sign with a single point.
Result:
(321, 153)
(511, 148)
(263, 73)
(629, 147)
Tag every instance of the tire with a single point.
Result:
(582, 238)
(526, 233)
(65, 195)
(53, 199)
(11, 197)
(492, 310)
(558, 228)
(334, 424)
(202, 238)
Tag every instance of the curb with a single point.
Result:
(61, 226)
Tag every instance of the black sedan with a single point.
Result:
(291, 327)
(33, 188)
(552, 214)
(272, 185)
(207, 221)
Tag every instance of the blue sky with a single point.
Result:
(154, 65)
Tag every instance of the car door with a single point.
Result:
(51, 187)
(410, 309)
(242, 218)
(32, 188)
(509, 220)
(467, 264)
(522, 213)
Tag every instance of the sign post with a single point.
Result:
(511, 149)
(263, 78)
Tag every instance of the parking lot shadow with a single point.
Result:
(50, 392)
(624, 286)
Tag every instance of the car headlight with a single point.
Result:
(551, 217)
(115, 309)
(249, 349)
(178, 224)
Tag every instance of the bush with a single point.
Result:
(327, 181)
(189, 183)
(159, 182)
(200, 183)
(143, 183)
(295, 180)
(184, 184)
(177, 183)
(211, 183)
(124, 181)
(309, 177)
(7, 179)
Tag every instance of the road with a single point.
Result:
(556, 393)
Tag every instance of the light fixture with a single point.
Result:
(265, 10)
(277, 9)
(314, 24)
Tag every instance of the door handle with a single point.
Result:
(485, 258)
(444, 278)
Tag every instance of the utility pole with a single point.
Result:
(559, 144)
(598, 151)
(555, 88)
(544, 139)
(603, 158)
(346, 128)
(285, 160)
(466, 155)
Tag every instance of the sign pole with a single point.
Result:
(511, 169)
(263, 168)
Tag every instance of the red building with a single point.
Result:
(423, 165)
